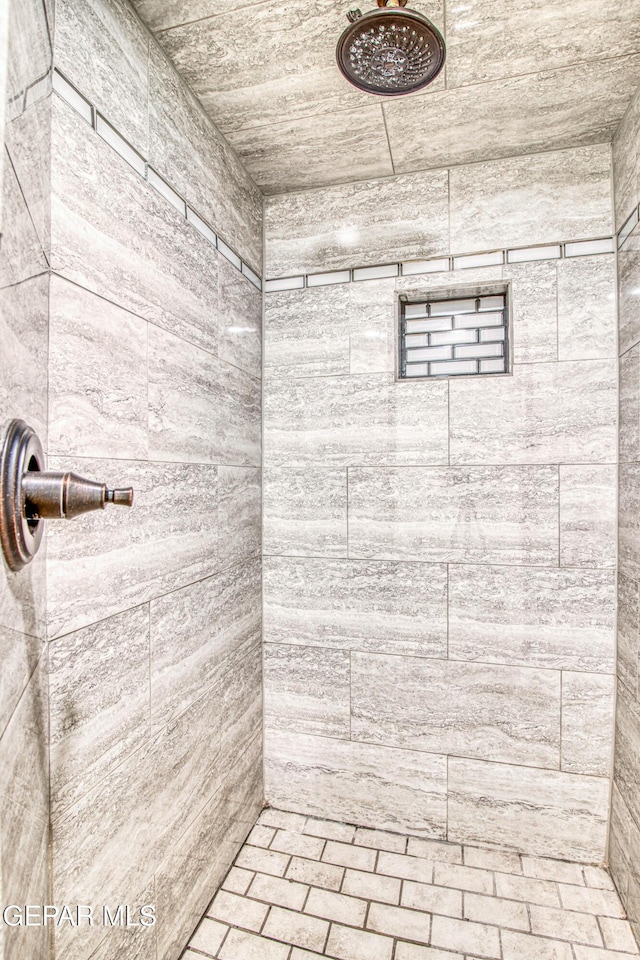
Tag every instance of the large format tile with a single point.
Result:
(23, 256)
(628, 292)
(533, 618)
(542, 812)
(506, 117)
(102, 47)
(500, 713)
(455, 514)
(305, 511)
(239, 513)
(19, 655)
(375, 606)
(536, 199)
(356, 420)
(587, 308)
(588, 702)
(28, 150)
(307, 690)
(376, 786)
(187, 149)
(307, 332)
(97, 376)
(626, 182)
(377, 221)
(565, 38)
(345, 146)
(588, 537)
(239, 320)
(116, 235)
(628, 661)
(629, 400)
(102, 564)
(201, 409)
(545, 413)
(627, 751)
(24, 315)
(199, 631)
(533, 306)
(99, 702)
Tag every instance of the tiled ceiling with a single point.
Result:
(521, 76)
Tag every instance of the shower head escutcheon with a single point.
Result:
(391, 50)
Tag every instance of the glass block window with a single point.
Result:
(454, 337)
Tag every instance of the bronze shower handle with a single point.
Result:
(62, 496)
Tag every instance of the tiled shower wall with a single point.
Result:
(152, 380)
(439, 555)
(625, 820)
(24, 311)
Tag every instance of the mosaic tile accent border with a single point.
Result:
(491, 258)
(87, 110)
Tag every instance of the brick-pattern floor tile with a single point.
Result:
(298, 954)
(298, 844)
(565, 925)
(380, 840)
(297, 929)
(502, 860)
(618, 935)
(372, 886)
(604, 903)
(464, 936)
(503, 913)
(435, 850)
(411, 951)
(241, 945)
(261, 836)
(597, 953)
(598, 877)
(432, 899)
(544, 869)
(315, 873)
(543, 892)
(464, 878)
(282, 819)
(345, 943)
(262, 861)
(399, 922)
(407, 868)
(330, 830)
(523, 946)
(284, 893)
(208, 936)
(336, 906)
(360, 858)
(238, 880)
(237, 911)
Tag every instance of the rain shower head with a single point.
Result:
(390, 51)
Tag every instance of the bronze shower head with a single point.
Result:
(390, 51)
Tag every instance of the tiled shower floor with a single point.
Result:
(303, 888)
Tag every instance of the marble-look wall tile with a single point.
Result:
(241, 707)
(489, 712)
(376, 221)
(28, 50)
(629, 520)
(588, 536)
(22, 254)
(102, 47)
(28, 147)
(627, 749)
(533, 199)
(541, 812)
(239, 320)
(375, 606)
(99, 702)
(19, 655)
(305, 511)
(587, 308)
(626, 169)
(567, 38)
(201, 409)
(534, 311)
(545, 413)
(197, 633)
(307, 332)
(356, 420)
(101, 565)
(588, 703)
(112, 233)
(536, 110)
(24, 314)
(629, 405)
(455, 514)
(629, 293)
(97, 376)
(628, 662)
(134, 942)
(186, 148)
(533, 617)
(372, 328)
(301, 152)
(376, 786)
(307, 690)
(239, 513)
(622, 833)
